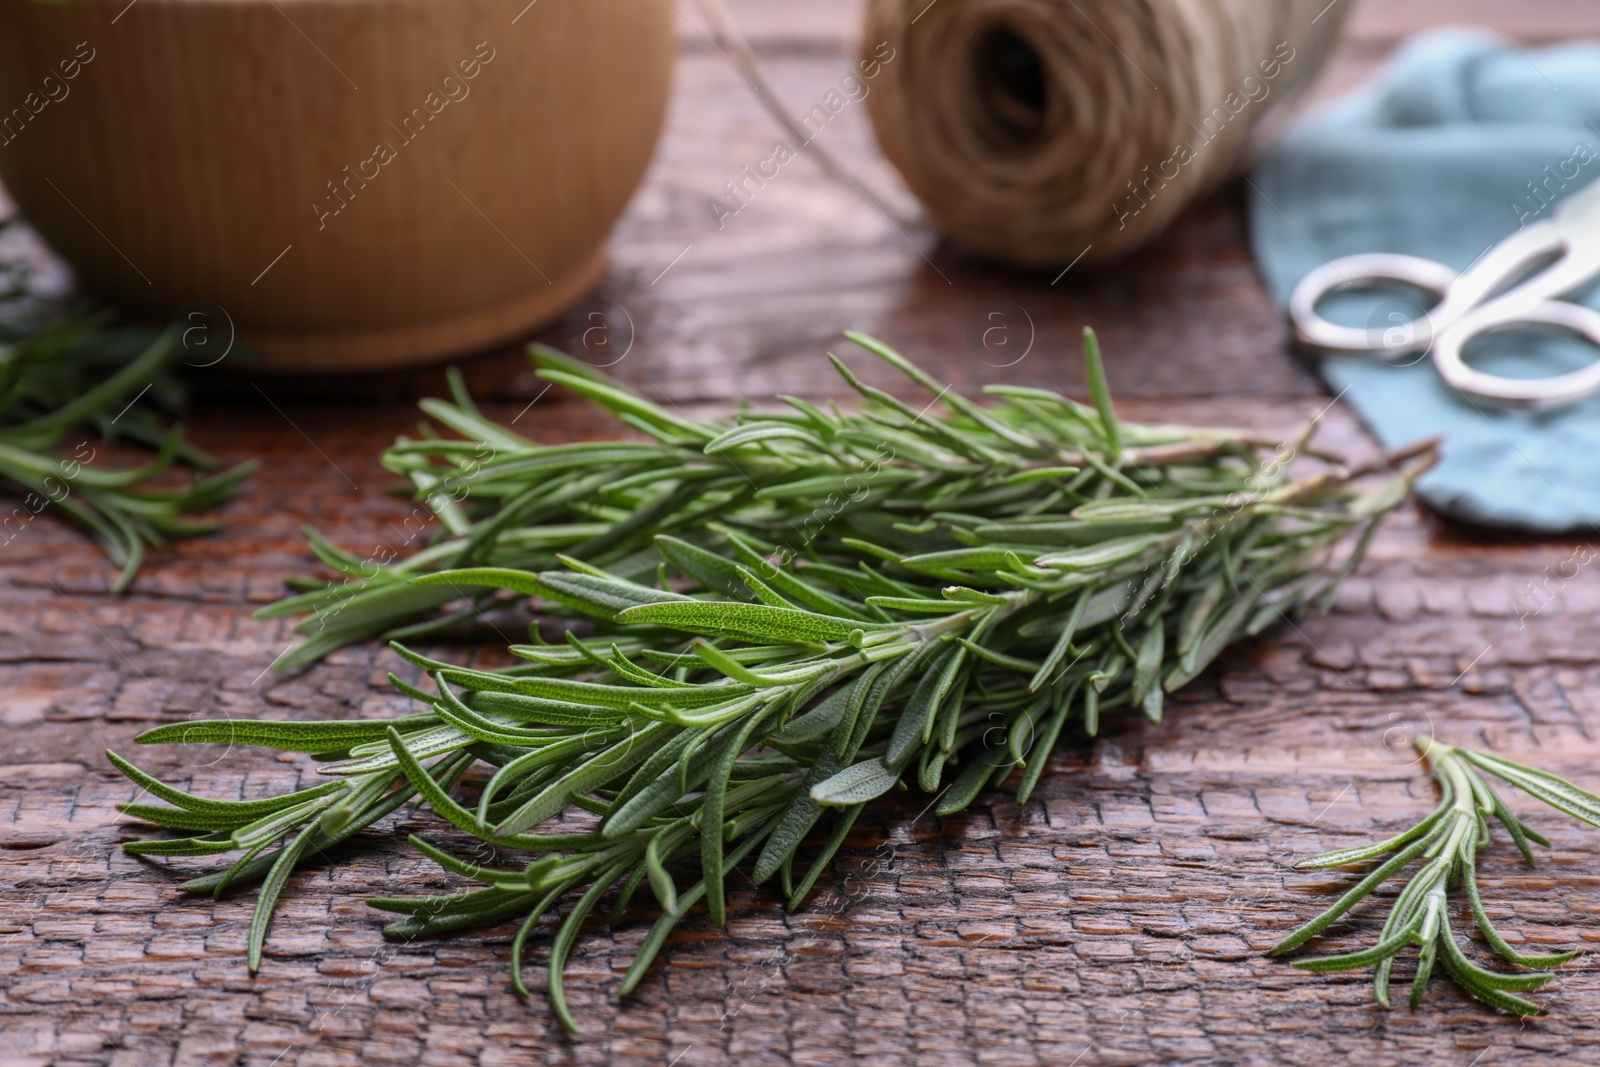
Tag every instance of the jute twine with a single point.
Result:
(1038, 131)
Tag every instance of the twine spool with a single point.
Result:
(1038, 131)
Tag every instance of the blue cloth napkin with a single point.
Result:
(1461, 142)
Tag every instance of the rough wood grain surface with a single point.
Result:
(1118, 918)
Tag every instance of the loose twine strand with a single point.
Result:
(1041, 131)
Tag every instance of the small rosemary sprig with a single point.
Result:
(76, 377)
(1449, 841)
(769, 624)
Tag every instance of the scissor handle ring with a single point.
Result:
(1354, 272)
(1520, 392)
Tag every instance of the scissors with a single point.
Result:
(1516, 284)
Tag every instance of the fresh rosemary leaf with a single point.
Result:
(746, 622)
(856, 785)
(190, 846)
(287, 736)
(1556, 792)
(271, 889)
(235, 809)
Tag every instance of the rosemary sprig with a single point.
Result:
(77, 376)
(1449, 841)
(768, 625)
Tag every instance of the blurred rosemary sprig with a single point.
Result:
(1449, 841)
(769, 624)
(64, 382)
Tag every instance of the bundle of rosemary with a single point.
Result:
(766, 625)
(64, 378)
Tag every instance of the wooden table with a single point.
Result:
(1118, 918)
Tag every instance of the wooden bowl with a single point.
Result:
(356, 183)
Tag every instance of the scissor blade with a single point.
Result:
(1579, 214)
